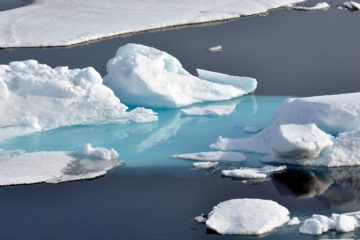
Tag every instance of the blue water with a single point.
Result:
(153, 144)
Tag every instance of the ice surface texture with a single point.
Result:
(321, 6)
(62, 23)
(145, 76)
(35, 97)
(247, 216)
(19, 167)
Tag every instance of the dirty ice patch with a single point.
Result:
(19, 167)
(252, 173)
(35, 97)
(247, 216)
(145, 76)
(212, 156)
(321, 6)
(63, 23)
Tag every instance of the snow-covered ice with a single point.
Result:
(299, 140)
(62, 23)
(36, 97)
(205, 165)
(294, 221)
(247, 216)
(319, 224)
(351, 5)
(317, 131)
(145, 76)
(213, 156)
(321, 6)
(19, 167)
(216, 48)
(210, 110)
(252, 173)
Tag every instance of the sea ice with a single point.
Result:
(145, 76)
(293, 221)
(251, 129)
(216, 49)
(252, 173)
(351, 5)
(62, 23)
(19, 167)
(210, 110)
(213, 156)
(247, 216)
(299, 140)
(205, 165)
(200, 219)
(37, 97)
(321, 6)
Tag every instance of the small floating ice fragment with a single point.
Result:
(212, 156)
(351, 5)
(211, 110)
(205, 165)
(216, 49)
(293, 221)
(247, 216)
(252, 173)
(201, 219)
(53, 167)
(145, 76)
(321, 6)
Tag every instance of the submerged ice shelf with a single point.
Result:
(62, 23)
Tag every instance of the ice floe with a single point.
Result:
(145, 76)
(321, 6)
(252, 173)
(351, 5)
(19, 167)
(210, 110)
(216, 49)
(293, 221)
(317, 131)
(247, 216)
(201, 219)
(213, 156)
(205, 165)
(63, 23)
(36, 97)
(319, 224)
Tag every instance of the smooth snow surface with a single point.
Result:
(302, 133)
(252, 173)
(319, 224)
(212, 156)
(210, 110)
(145, 76)
(205, 165)
(216, 49)
(299, 141)
(351, 5)
(293, 221)
(321, 6)
(36, 97)
(19, 167)
(62, 23)
(247, 216)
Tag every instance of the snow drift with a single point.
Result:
(36, 97)
(145, 76)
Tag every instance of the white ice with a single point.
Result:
(252, 173)
(247, 216)
(210, 110)
(17, 167)
(216, 48)
(319, 224)
(62, 23)
(300, 133)
(145, 76)
(205, 165)
(36, 97)
(321, 6)
(200, 219)
(213, 156)
(293, 221)
(351, 5)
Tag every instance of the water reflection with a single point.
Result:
(336, 188)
